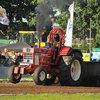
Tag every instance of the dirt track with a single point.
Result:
(31, 88)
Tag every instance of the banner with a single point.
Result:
(69, 30)
(3, 18)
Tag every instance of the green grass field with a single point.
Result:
(23, 78)
(53, 97)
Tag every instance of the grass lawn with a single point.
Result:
(53, 97)
(23, 78)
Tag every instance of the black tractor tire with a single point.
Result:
(40, 75)
(51, 80)
(98, 81)
(71, 69)
(13, 78)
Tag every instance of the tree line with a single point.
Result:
(83, 12)
(19, 10)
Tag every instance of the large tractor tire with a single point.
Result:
(71, 69)
(40, 75)
(50, 79)
(14, 78)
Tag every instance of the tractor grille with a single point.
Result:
(28, 57)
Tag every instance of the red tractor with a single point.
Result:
(44, 64)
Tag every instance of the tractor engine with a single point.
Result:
(36, 57)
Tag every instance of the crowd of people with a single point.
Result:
(13, 57)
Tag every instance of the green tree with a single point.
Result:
(82, 14)
(16, 11)
(97, 40)
(62, 18)
(32, 14)
(79, 24)
(93, 11)
(84, 45)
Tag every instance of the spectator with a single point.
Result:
(18, 58)
(2, 58)
(21, 55)
(6, 53)
(18, 55)
(3, 55)
(12, 57)
(0, 54)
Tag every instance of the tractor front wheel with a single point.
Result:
(14, 78)
(40, 75)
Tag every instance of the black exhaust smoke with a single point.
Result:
(45, 13)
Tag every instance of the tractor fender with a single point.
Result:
(65, 51)
(74, 50)
(68, 50)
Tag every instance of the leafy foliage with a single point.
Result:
(16, 11)
(82, 14)
(19, 9)
(97, 40)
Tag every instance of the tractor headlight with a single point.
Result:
(28, 50)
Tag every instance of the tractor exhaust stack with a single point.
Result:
(38, 42)
(39, 37)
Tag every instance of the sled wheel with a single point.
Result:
(14, 78)
(40, 75)
(71, 69)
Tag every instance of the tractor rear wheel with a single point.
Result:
(40, 75)
(14, 78)
(71, 69)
